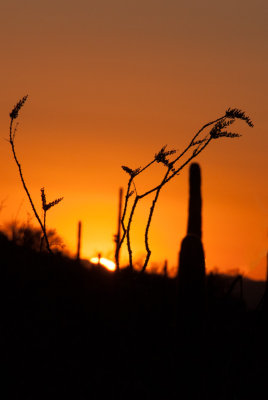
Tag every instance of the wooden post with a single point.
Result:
(78, 240)
(99, 258)
(165, 268)
(118, 235)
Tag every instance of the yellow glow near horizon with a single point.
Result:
(108, 264)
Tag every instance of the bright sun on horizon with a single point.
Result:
(108, 264)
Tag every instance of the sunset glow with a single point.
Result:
(108, 264)
(134, 199)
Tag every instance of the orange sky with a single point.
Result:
(111, 82)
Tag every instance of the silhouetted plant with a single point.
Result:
(12, 133)
(45, 207)
(191, 273)
(195, 202)
(117, 236)
(27, 235)
(172, 168)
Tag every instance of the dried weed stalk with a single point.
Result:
(45, 206)
(172, 168)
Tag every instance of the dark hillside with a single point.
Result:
(72, 332)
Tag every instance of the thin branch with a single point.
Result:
(128, 231)
(124, 214)
(149, 222)
(165, 180)
(11, 141)
(216, 132)
(45, 206)
(195, 154)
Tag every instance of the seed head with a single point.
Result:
(236, 113)
(131, 172)
(46, 206)
(15, 112)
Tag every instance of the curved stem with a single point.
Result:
(131, 180)
(198, 146)
(150, 220)
(122, 222)
(147, 230)
(128, 232)
(195, 154)
(157, 190)
(25, 187)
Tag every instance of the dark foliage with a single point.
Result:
(27, 235)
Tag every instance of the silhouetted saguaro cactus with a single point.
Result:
(195, 202)
(192, 293)
(191, 275)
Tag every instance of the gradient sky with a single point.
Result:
(110, 83)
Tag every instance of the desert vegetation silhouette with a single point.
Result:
(65, 328)
(45, 206)
(209, 132)
(26, 235)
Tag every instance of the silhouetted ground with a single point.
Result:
(72, 332)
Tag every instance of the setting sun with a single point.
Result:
(108, 264)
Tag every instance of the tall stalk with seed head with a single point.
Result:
(45, 206)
